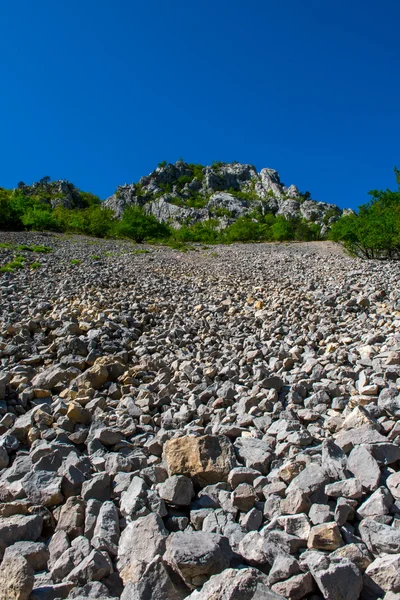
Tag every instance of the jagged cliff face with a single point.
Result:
(181, 193)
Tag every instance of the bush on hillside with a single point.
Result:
(139, 226)
(374, 232)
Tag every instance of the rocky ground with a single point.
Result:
(211, 425)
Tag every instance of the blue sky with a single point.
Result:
(99, 92)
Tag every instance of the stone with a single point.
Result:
(156, 583)
(36, 553)
(385, 573)
(325, 537)
(345, 510)
(69, 559)
(72, 517)
(334, 460)
(97, 488)
(197, 555)
(57, 545)
(298, 525)
(47, 380)
(284, 566)
(379, 537)
(133, 500)
(107, 532)
(393, 483)
(256, 454)
(295, 502)
(93, 567)
(246, 583)
(295, 587)
(379, 503)
(337, 579)
(94, 377)
(78, 414)
(141, 541)
(348, 488)
(357, 553)
(18, 528)
(320, 513)
(16, 578)
(242, 475)
(244, 497)
(43, 487)
(177, 489)
(206, 459)
(312, 478)
(364, 467)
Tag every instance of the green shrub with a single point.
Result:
(282, 230)
(197, 171)
(138, 226)
(243, 229)
(75, 261)
(204, 232)
(39, 219)
(375, 231)
(35, 265)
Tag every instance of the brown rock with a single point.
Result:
(78, 414)
(295, 587)
(296, 502)
(16, 578)
(207, 459)
(325, 537)
(95, 377)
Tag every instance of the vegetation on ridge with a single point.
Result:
(374, 232)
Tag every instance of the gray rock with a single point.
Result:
(364, 467)
(384, 571)
(106, 533)
(379, 503)
(141, 541)
(97, 488)
(337, 579)
(93, 567)
(246, 583)
(156, 583)
(43, 487)
(256, 454)
(18, 528)
(134, 498)
(379, 537)
(177, 489)
(197, 555)
(36, 553)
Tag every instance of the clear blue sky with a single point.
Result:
(100, 91)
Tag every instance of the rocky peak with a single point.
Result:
(184, 192)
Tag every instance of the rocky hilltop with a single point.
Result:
(187, 193)
(213, 425)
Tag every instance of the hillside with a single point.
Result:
(208, 425)
(183, 193)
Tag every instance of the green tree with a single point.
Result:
(139, 226)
